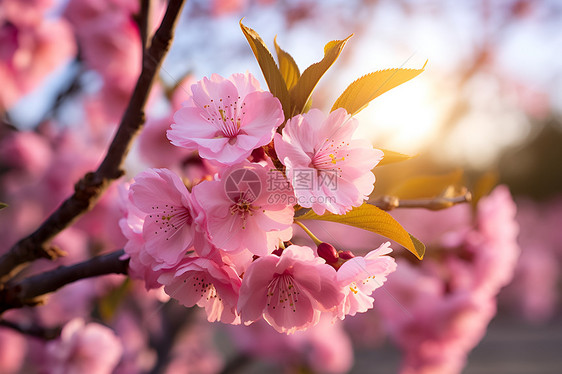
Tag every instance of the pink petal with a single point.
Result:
(245, 84)
(263, 114)
(253, 292)
(286, 318)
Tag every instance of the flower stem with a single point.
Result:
(309, 233)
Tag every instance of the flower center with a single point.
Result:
(282, 292)
(355, 288)
(329, 154)
(244, 209)
(225, 117)
(202, 287)
(170, 219)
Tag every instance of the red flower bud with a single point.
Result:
(346, 255)
(327, 252)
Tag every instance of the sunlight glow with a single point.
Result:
(404, 119)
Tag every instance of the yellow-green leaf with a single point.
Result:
(391, 157)
(301, 92)
(269, 68)
(483, 186)
(287, 66)
(108, 304)
(369, 217)
(359, 93)
(3, 205)
(427, 186)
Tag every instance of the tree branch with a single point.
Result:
(236, 364)
(88, 190)
(142, 19)
(30, 291)
(33, 330)
(441, 202)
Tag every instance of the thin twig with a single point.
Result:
(72, 88)
(437, 203)
(30, 291)
(143, 19)
(175, 321)
(237, 364)
(88, 190)
(46, 333)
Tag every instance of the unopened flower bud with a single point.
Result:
(278, 252)
(346, 255)
(328, 253)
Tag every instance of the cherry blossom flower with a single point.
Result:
(434, 330)
(243, 212)
(13, 349)
(140, 262)
(84, 348)
(27, 153)
(328, 170)
(137, 356)
(290, 291)
(168, 227)
(439, 310)
(495, 240)
(108, 37)
(155, 148)
(225, 119)
(26, 13)
(29, 52)
(534, 291)
(204, 282)
(360, 276)
(490, 249)
(195, 350)
(324, 348)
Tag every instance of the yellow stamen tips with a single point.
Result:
(334, 159)
(244, 209)
(222, 114)
(353, 289)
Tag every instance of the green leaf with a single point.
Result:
(287, 66)
(301, 92)
(369, 217)
(109, 303)
(359, 93)
(3, 205)
(269, 68)
(391, 157)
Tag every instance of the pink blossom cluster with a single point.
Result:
(534, 292)
(325, 348)
(31, 47)
(224, 243)
(439, 310)
(110, 45)
(83, 348)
